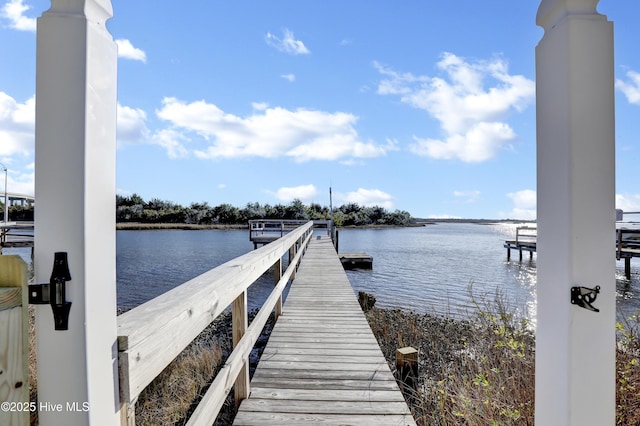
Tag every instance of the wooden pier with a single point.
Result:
(525, 241)
(265, 231)
(627, 245)
(322, 363)
(16, 234)
(356, 260)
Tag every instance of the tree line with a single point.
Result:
(134, 208)
(17, 212)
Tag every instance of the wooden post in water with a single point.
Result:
(575, 346)
(75, 152)
(14, 343)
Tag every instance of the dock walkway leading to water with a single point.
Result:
(322, 362)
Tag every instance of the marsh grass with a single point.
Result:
(628, 371)
(481, 371)
(478, 371)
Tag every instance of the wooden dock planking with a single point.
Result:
(322, 363)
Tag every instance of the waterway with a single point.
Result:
(443, 268)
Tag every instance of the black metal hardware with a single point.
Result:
(54, 293)
(584, 297)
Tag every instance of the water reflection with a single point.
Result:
(430, 269)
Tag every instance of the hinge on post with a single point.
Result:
(54, 292)
(584, 297)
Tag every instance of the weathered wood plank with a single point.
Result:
(325, 407)
(379, 375)
(10, 298)
(324, 384)
(344, 395)
(322, 363)
(286, 365)
(322, 351)
(267, 419)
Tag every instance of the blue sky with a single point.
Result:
(424, 106)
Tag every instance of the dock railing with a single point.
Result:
(526, 235)
(272, 227)
(151, 335)
(264, 231)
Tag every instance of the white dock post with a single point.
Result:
(75, 186)
(575, 347)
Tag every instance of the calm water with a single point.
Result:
(148, 263)
(425, 269)
(431, 269)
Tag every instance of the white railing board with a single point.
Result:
(153, 334)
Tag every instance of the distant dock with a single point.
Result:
(627, 245)
(265, 231)
(16, 234)
(525, 241)
(356, 260)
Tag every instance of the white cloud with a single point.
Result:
(131, 126)
(14, 12)
(17, 126)
(524, 208)
(631, 89)
(470, 115)
(301, 134)
(287, 44)
(259, 106)
(173, 142)
(23, 183)
(20, 178)
(289, 77)
(480, 143)
(628, 202)
(126, 50)
(366, 197)
(304, 193)
(468, 196)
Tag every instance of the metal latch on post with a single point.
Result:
(54, 292)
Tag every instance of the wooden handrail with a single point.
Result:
(215, 396)
(151, 335)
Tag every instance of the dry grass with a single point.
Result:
(628, 372)
(481, 371)
(472, 372)
(168, 399)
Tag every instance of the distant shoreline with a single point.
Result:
(138, 226)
